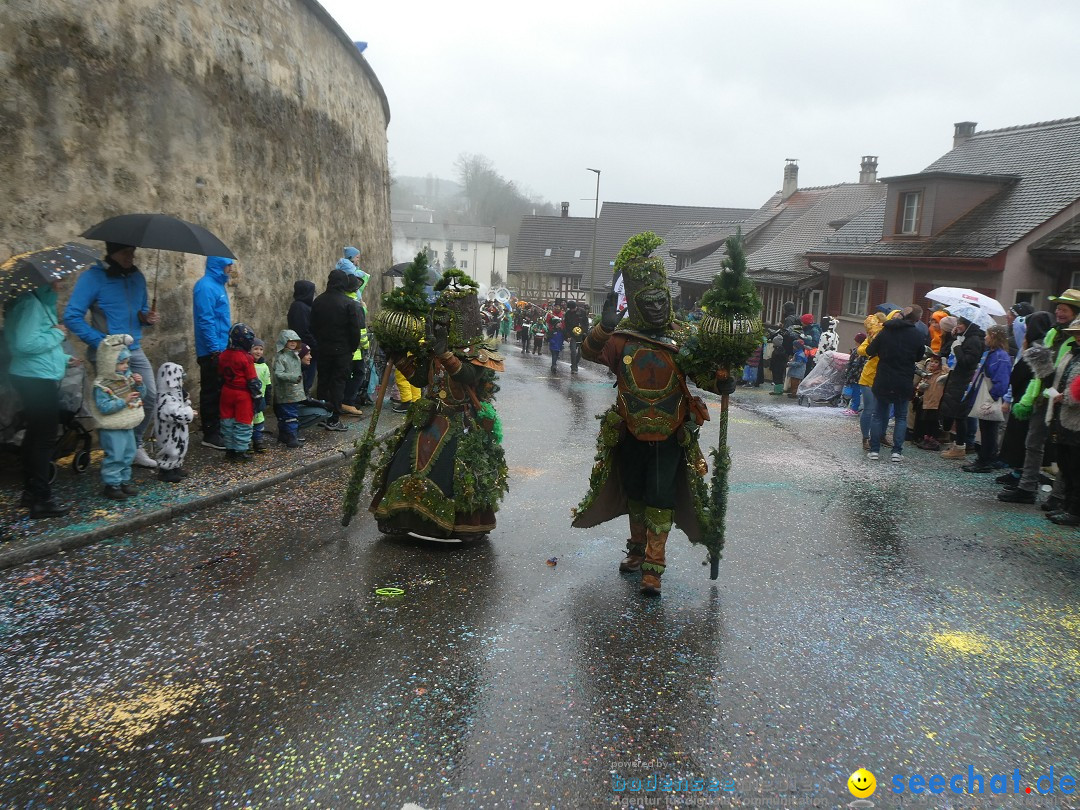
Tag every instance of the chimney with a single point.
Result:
(565, 209)
(961, 132)
(791, 178)
(868, 172)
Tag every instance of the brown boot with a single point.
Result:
(635, 549)
(653, 567)
(956, 451)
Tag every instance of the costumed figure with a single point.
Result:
(443, 472)
(649, 465)
(172, 417)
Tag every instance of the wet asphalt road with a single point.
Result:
(888, 616)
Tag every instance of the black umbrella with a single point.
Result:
(28, 271)
(397, 271)
(159, 231)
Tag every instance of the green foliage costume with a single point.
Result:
(649, 464)
(443, 473)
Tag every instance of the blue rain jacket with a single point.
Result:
(113, 301)
(210, 308)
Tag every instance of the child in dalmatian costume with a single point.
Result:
(172, 417)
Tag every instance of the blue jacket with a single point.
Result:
(210, 308)
(998, 369)
(35, 345)
(114, 302)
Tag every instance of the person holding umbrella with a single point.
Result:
(113, 292)
(38, 362)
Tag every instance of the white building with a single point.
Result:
(478, 249)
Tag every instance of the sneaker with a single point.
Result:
(896, 458)
(258, 446)
(237, 455)
(873, 456)
(849, 412)
(400, 407)
(115, 493)
(129, 488)
(978, 467)
(170, 476)
(142, 459)
(1016, 496)
(335, 425)
(213, 441)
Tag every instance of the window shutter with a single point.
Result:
(835, 306)
(878, 288)
(920, 290)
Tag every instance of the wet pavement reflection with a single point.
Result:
(887, 616)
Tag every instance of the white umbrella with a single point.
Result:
(951, 296)
(970, 312)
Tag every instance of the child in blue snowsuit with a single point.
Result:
(118, 408)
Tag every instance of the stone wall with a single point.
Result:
(257, 119)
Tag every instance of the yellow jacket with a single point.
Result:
(872, 325)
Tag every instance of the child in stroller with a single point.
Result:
(825, 383)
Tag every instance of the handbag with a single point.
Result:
(985, 407)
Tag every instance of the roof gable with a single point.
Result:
(1045, 158)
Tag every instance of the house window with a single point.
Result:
(547, 251)
(464, 265)
(1030, 296)
(856, 296)
(910, 208)
(577, 254)
(464, 245)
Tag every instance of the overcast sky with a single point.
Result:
(699, 102)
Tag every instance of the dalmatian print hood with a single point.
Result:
(170, 380)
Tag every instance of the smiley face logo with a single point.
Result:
(862, 783)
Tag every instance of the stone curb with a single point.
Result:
(46, 548)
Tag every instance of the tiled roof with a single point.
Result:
(783, 230)
(619, 221)
(457, 233)
(1065, 239)
(562, 236)
(1046, 158)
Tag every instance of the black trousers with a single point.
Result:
(648, 470)
(209, 395)
(41, 411)
(357, 382)
(1068, 461)
(333, 374)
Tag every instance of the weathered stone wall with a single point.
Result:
(254, 118)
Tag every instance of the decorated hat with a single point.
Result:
(644, 276)
(1070, 297)
(1074, 327)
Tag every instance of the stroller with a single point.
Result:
(74, 437)
(825, 382)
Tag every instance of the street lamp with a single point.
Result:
(592, 257)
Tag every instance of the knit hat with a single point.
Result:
(1022, 309)
(351, 252)
(807, 319)
(948, 323)
(257, 342)
(860, 337)
(113, 247)
(304, 350)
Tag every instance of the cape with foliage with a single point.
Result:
(409, 297)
